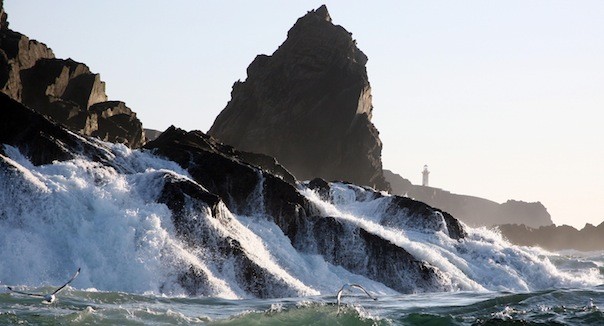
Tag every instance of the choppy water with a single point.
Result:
(561, 306)
(107, 220)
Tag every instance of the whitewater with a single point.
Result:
(108, 221)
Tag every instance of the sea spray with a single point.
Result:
(480, 261)
(106, 217)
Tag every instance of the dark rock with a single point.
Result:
(474, 211)
(321, 187)
(309, 106)
(151, 134)
(116, 123)
(64, 90)
(223, 178)
(398, 184)
(408, 213)
(245, 189)
(186, 200)
(41, 140)
(3, 16)
(178, 144)
(17, 53)
(340, 244)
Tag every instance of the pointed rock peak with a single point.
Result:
(3, 16)
(323, 13)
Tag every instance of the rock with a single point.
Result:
(151, 134)
(340, 244)
(115, 122)
(3, 16)
(245, 189)
(64, 90)
(398, 184)
(321, 187)
(41, 140)
(309, 106)
(178, 144)
(556, 238)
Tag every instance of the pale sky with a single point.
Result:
(499, 98)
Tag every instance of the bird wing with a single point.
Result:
(71, 279)
(25, 293)
(339, 295)
(363, 289)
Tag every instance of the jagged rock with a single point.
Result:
(245, 189)
(309, 106)
(472, 210)
(115, 122)
(321, 187)
(223, 178)
(3, 16)
(38, 138)
(151, 134)
(64, 90)
(418, 214)
(186, 200)
(177, 145)
(17, 53)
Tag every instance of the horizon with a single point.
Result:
(499, 78)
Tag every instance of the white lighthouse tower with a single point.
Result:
(425, 174)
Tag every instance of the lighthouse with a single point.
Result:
(425, 174)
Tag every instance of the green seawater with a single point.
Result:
(74, 307)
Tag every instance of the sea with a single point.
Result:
(106, 220)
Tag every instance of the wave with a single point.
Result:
(114, 221)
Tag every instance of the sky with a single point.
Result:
(501, 99)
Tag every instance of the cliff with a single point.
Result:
(552, 237)
(474, 211)
(309, 106)
(63, 90)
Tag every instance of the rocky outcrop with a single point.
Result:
(151, 134)
(472, 210)
(224, 178)
(3, 21)
(244, 188)
(309, 106)
(63, 90)
(552, 237)
(41, 140)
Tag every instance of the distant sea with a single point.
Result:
(562, 306)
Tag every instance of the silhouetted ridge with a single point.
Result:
(472, 210)
(64, 90)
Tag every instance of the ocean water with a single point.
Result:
(79, 307)
(107, 221)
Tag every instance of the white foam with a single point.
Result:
(482, 260)
(78, 213)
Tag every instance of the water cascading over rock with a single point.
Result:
(309, 106)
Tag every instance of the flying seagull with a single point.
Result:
(48, 298)
(349, 287)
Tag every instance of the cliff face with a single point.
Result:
(64, 90)
(309, 106)
(474, 211)
(556, 237)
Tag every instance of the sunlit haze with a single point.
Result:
(498, 98)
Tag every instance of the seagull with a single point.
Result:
(50, 297)
(349, 287)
